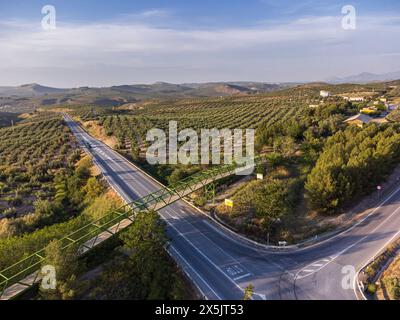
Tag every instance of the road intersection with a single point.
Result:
(221, 264)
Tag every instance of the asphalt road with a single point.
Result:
(222, 264)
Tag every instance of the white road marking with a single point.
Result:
(368, 261)
(232, 269)
(196, 273)
(394, 192)
(371, 232)
(204, 255)
(226, 236)
(312, 268)
(262, 296)
(222, 233)
(341, 252)
(243, 276)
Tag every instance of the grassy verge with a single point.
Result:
(382, 275)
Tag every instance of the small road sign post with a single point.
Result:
(379, 188)
(282, 243)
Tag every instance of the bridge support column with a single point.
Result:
(210, 191)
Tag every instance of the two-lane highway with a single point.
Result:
(221, 264)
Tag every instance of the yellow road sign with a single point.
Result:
(229, 203)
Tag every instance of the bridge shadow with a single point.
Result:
(114, 175)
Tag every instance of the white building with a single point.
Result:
(356, 99)
(359, 99)
(324, 93)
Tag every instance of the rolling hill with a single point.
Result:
(35, 95)
(366, 77)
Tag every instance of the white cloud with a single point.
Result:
(308, 48)
(154, 13)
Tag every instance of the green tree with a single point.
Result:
(271, 199)
(116, 282)
(352, 163)
(145, 241)
(43, 209)
(2, 187)
(135, 150)
(274, 159)
(93, 188)
(284, 145)
(61, 196)
(147, 272)
(248, 292)
(65, 262)
(294, 129)
(181, 172)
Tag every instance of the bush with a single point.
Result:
(392, 285)
(268, 200)
(43, 209)
(101, 206)
(274, 159)
(181, 172)
(148, 273)
(200, 201)
(2, 187)
(65, 262)
(16, 201)
(93, 188)
(10, 212)
(284, 145)
(371, 288)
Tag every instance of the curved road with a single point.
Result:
(222, 264)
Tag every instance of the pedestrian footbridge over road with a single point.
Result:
(22, 275)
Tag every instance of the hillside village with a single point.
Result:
(374, 107)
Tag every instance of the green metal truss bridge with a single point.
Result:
(22, 275)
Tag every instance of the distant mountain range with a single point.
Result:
(158, 89)
(34, 95)
(366, 77)
(28, 90)
(30, 96)
(170, 90)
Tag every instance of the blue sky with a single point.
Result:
(101, 43)
(203, 13)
